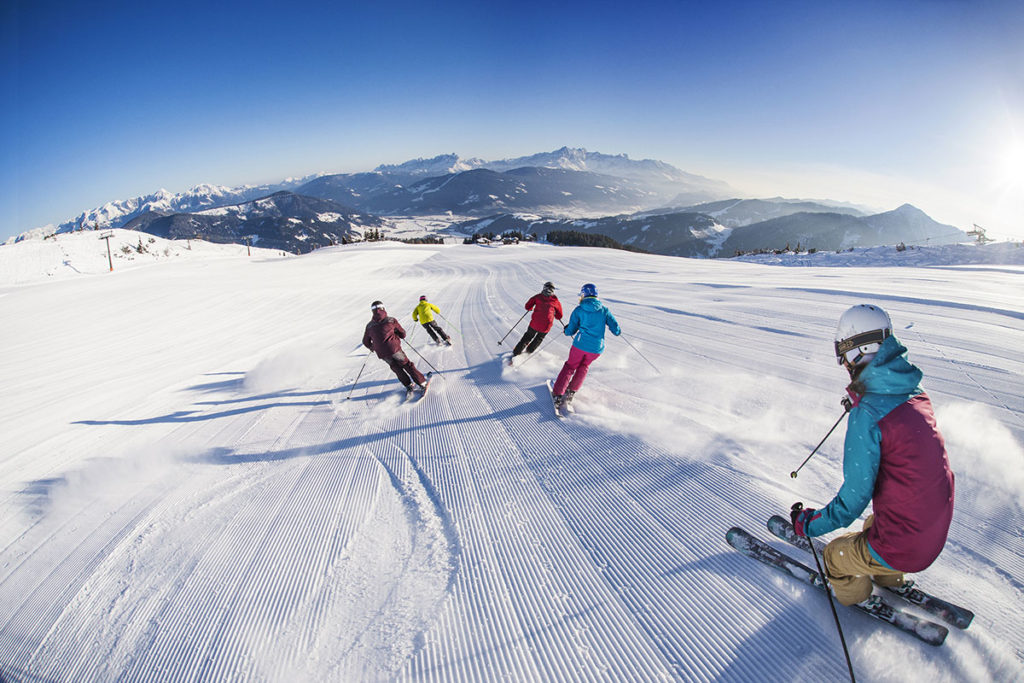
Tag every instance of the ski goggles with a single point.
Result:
(377, 307)
(862, 339)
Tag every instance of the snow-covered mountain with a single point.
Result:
(116, 214)
(284, 220)
(831, 231)
(723, 228)
(660, 180)
(483, 191)
(736, 213)
(616, 195)
(443, 164)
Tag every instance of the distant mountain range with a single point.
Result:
(537, 193)
(118, 213)
(284, 220)
(694, 233)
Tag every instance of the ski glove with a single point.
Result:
(801, 517)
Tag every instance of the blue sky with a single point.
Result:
(878, 103)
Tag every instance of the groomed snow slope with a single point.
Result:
(191, 489)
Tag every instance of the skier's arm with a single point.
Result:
(558, 309)
(367, 339)
(531, 302)
(862, 452)
(436, 309)
(399, 330)
(612, 323)
(574, 323)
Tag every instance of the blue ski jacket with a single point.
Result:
(587, 323)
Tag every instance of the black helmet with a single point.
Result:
(376, 304)
(423, 298)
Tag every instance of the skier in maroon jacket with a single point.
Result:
(546, 307)
(383, 335)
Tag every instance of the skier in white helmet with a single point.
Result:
(894, 457)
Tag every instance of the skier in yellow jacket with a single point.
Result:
(424, 314)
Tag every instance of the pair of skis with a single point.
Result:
(410, 392)
(923, 629)
(563, 411)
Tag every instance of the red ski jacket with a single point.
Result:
(383, 335)
(545, 310)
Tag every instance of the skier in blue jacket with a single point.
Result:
(586, 325)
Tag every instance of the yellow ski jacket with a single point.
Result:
(424, 312)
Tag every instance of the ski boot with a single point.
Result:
(876, 606)
(568, 399)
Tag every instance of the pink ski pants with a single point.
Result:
(574, 371)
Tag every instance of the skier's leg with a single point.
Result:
(527, 338)
(398, 367)
(538, 337)
(581, 370)
(850, 565)
(408, 369)
(575, 356)
(882, 575)
(429, 327)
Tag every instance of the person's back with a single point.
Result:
(384, 334)
(913, 491)
(545, 307)
(587, 325)
(424, 311)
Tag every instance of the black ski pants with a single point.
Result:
(435, 331)
(530, 342)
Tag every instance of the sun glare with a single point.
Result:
(1011, 173)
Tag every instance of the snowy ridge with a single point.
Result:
(205, 492)
(117, 213)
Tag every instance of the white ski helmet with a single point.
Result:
(860, 333)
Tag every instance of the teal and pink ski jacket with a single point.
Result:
(587, 323)
(895, 456)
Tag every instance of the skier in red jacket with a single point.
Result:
(546, 307)
(383, 335)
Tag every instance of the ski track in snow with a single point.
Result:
(202, 493)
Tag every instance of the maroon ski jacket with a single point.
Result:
(545, 310)
(383, 335)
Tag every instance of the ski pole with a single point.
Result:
(513, 327)
(422, 358)
(847, 406)
(828, 592)
(641, 355)
(451, 323)
(358, 375)
(535, 353)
